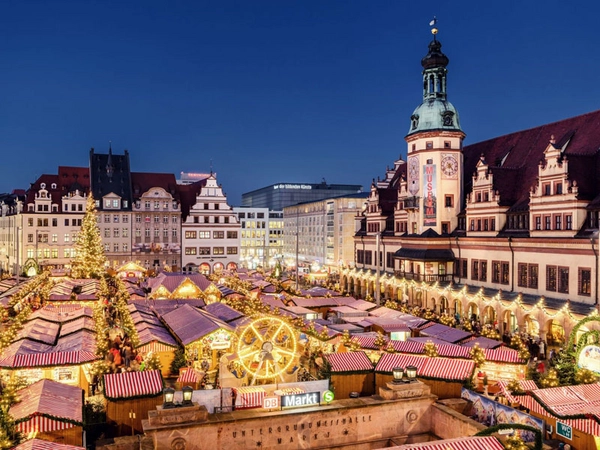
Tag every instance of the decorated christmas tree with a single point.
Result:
(89, 261)
(431, 349)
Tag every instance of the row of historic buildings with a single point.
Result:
(154, 220)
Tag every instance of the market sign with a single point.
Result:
(220, 340)
(328, 396)
(306, 399)
(589, 358)
(271, 402)
(564, 430)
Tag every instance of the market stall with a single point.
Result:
(351, 373)
(248, 397)
(51, 410)
(39, 444)
(131, 392)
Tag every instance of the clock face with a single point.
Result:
(449, 166)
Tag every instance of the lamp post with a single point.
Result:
(187, 395)
(398, 374)
(168, 396)
(411, 373)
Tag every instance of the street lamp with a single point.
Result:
(398, 373)
(187, 395)
(411, 373)
(168, 396)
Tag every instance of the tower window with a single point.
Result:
(429, 144)
(447, 144)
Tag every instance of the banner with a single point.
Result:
(490, 413)
(429, 196)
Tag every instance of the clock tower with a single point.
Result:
(435, 160)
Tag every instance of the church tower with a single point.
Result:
(435, 161)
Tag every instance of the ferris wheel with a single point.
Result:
(267, 348)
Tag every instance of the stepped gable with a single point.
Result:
(514, 158)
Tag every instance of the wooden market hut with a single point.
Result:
(445, 376)
(40, 444)
(131, 392)
(351, 372)
(575, 407)
(462, 443)
(51, 409)
(201, 334)
(168, 285)
(131, 270)
(153, 335)
(56, 343)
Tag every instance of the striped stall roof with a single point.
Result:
(453, 351)
(408, 346)
(42, 424)
(526, 385)
(292, 390)
(39, 444)
(589, 426)
(133, 384)
(249, 397)
(47, 359)
(466, 443)
(189, 375)
(438, 368)
(448, 369)
(388, 361)
(349, 362)
(58, 402)
(367, 341)
(503, 354)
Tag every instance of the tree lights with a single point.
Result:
(89, 259)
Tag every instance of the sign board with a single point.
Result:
(564, 430)
(306, 399)
(270, 402)
(506, 431)
(328, 396)
(589, 358)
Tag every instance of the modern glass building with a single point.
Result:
(278, 196)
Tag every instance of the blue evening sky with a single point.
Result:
(275, 91)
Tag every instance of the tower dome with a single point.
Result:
(436, 112)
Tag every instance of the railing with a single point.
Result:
(423, 277)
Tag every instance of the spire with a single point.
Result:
(109, 165)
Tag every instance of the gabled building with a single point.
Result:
(503, 231)
(210, 232)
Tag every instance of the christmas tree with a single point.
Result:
(89, 259)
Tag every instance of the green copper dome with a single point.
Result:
(436, 112)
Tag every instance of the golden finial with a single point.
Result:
(432, 24)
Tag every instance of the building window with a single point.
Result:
(495, 271)
(538, 222)
(474, 269)
(232, 250)
(106, 218)
(116, 247)
(190, 250)
(232, 235)
(505, 275)
(218, 234)
(218, 250)
(107, 232)
(546, 188)
(585, 282)
(449, 201)
(551, 278)
(483, 271)
(190, 235)
(563, 280)
(116, 232)
(429, 144)
(557, 222)
(568, 222)
(204, 234)
(116, 218)
(204, 250)
(547, 223)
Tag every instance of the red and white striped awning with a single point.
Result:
(367, 342)
(408, 346)
(526, 385)
(39, 444)
(453, 351)
(155, 347)
(349, 362)
(388, 361)
(503, 354)
(466, 443)
(249, 397)
(292, 390)
(47, 359)
(440, 368)
(42, 424)
(447, 368)
(588, 426)
(133, 384)
(189, 375)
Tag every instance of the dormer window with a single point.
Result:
(43, 185)
(53, 186)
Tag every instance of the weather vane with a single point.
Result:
(432, 24)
